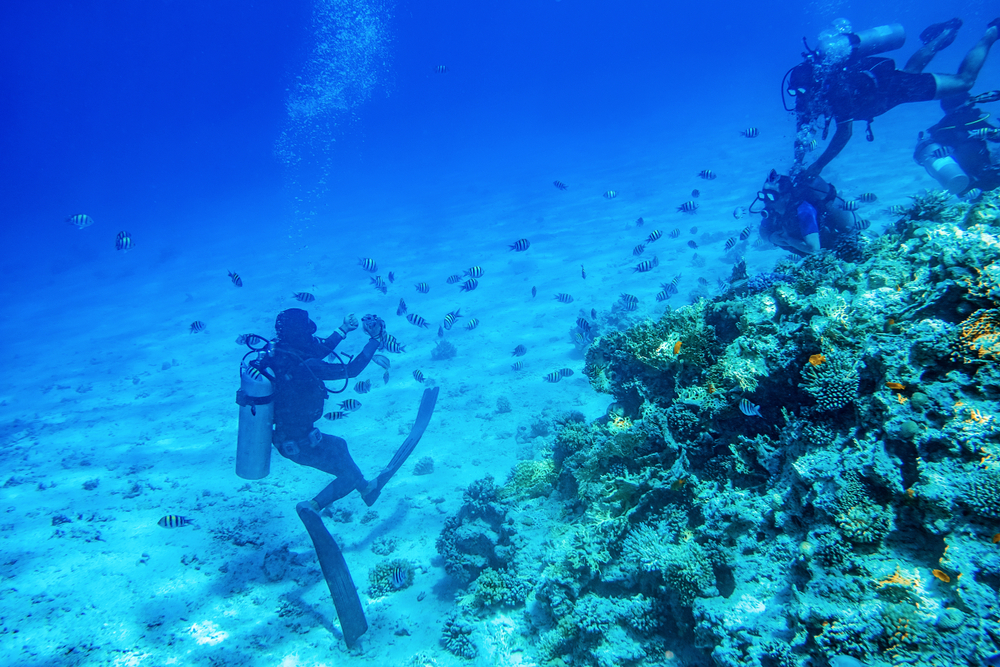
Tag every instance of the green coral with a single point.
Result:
(456, 636)
(859, 518)
(499, 588)
(390, 575)
(530, 479)
(833, 383)
(982, 493)
(684, 565)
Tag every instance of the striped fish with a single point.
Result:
(368, 264)
(363, 387)
(610, 194)
(565, 372)
(662, 295)
(674, 233)
(469, 285)
(749, 409)
(517, 365)
(423, 288)
(380, 284)
(235, 277)
(707, 174)
(124, 242)
(416, 320)
(197, 326)
(471, 324)
(654, 235)
(984, 133)
(304, 297)
(972, 194)
(351, 404)
(334, 416)
(520, 245)
(647, 265)
(690, 206)
(639, 249)
(849, 205)
(584, 325)
(400, 577)
(750, 133)
(474, 272)
(861, 224)
(418, 376)
(454, 278)
(730, 243)
(390, 344)
(554, 376)
(898, 209)
(627, 299)
(562, 297)
(401, 308)
(867, 197)
(745, 234)
(80, 220)
(174, 521)
(450, 318)
(559, 185)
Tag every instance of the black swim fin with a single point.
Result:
(338, 577)
(399, 458)
(932, 32)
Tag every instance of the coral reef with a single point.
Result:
(854, 517)
(390, 575)
(443, 350)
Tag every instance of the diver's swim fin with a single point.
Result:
(338, 577)
(399, 458)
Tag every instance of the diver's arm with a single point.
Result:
(845, 128)
(359, 362)
(327, 371)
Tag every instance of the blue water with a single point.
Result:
(286, 139)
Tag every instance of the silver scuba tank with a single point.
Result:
(933, 157)
(256, 425)
(865, 43)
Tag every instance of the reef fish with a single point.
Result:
(423, 288)
(401, 308)
(368, 264)
(469, 285)
(418, 375)
(519, 351)
(749, 409)
(334, 416)
(559, 185)
(638, 250)
(688, 207)
(450, 318)
(416, 320)
(80, 220)
(654, 235)
(750, 133)
(197, 326)
(867, 197)
(174, 521)
(304, 297)
(350, 404)
(610, 194)
(739, 212)
(124, 242)
(707, 174)
(235, 277)
(554, 376)
(474, 272)
(647, 265)
(471, 324)
(381, 360)
(363, 387)
(454, 278)
(517, 365)
(562, 297)
(520, 245)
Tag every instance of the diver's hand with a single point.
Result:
(374, 326)
(349, 325)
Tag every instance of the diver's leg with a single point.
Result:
(965, 79)
(337, 460)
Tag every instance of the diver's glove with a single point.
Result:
(373, 325)
(349, 325)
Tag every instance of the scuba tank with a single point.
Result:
(256, 424)
(939, 163)
(865, 43)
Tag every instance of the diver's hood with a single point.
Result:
(294, 326)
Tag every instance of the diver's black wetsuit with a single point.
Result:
(972, 153)
(299, 394)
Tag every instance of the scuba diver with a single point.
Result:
(801, 218)
(842, 81)
(962, 150)
(284, 385)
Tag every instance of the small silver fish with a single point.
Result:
(739, 212)
(381, 360)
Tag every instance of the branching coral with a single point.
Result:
(833, 383)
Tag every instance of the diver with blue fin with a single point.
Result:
(281, 397)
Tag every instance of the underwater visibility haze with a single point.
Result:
(545, 332)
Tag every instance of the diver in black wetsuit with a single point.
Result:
(802, 219)
(962, 150)
(295, 361)
(850, 84)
